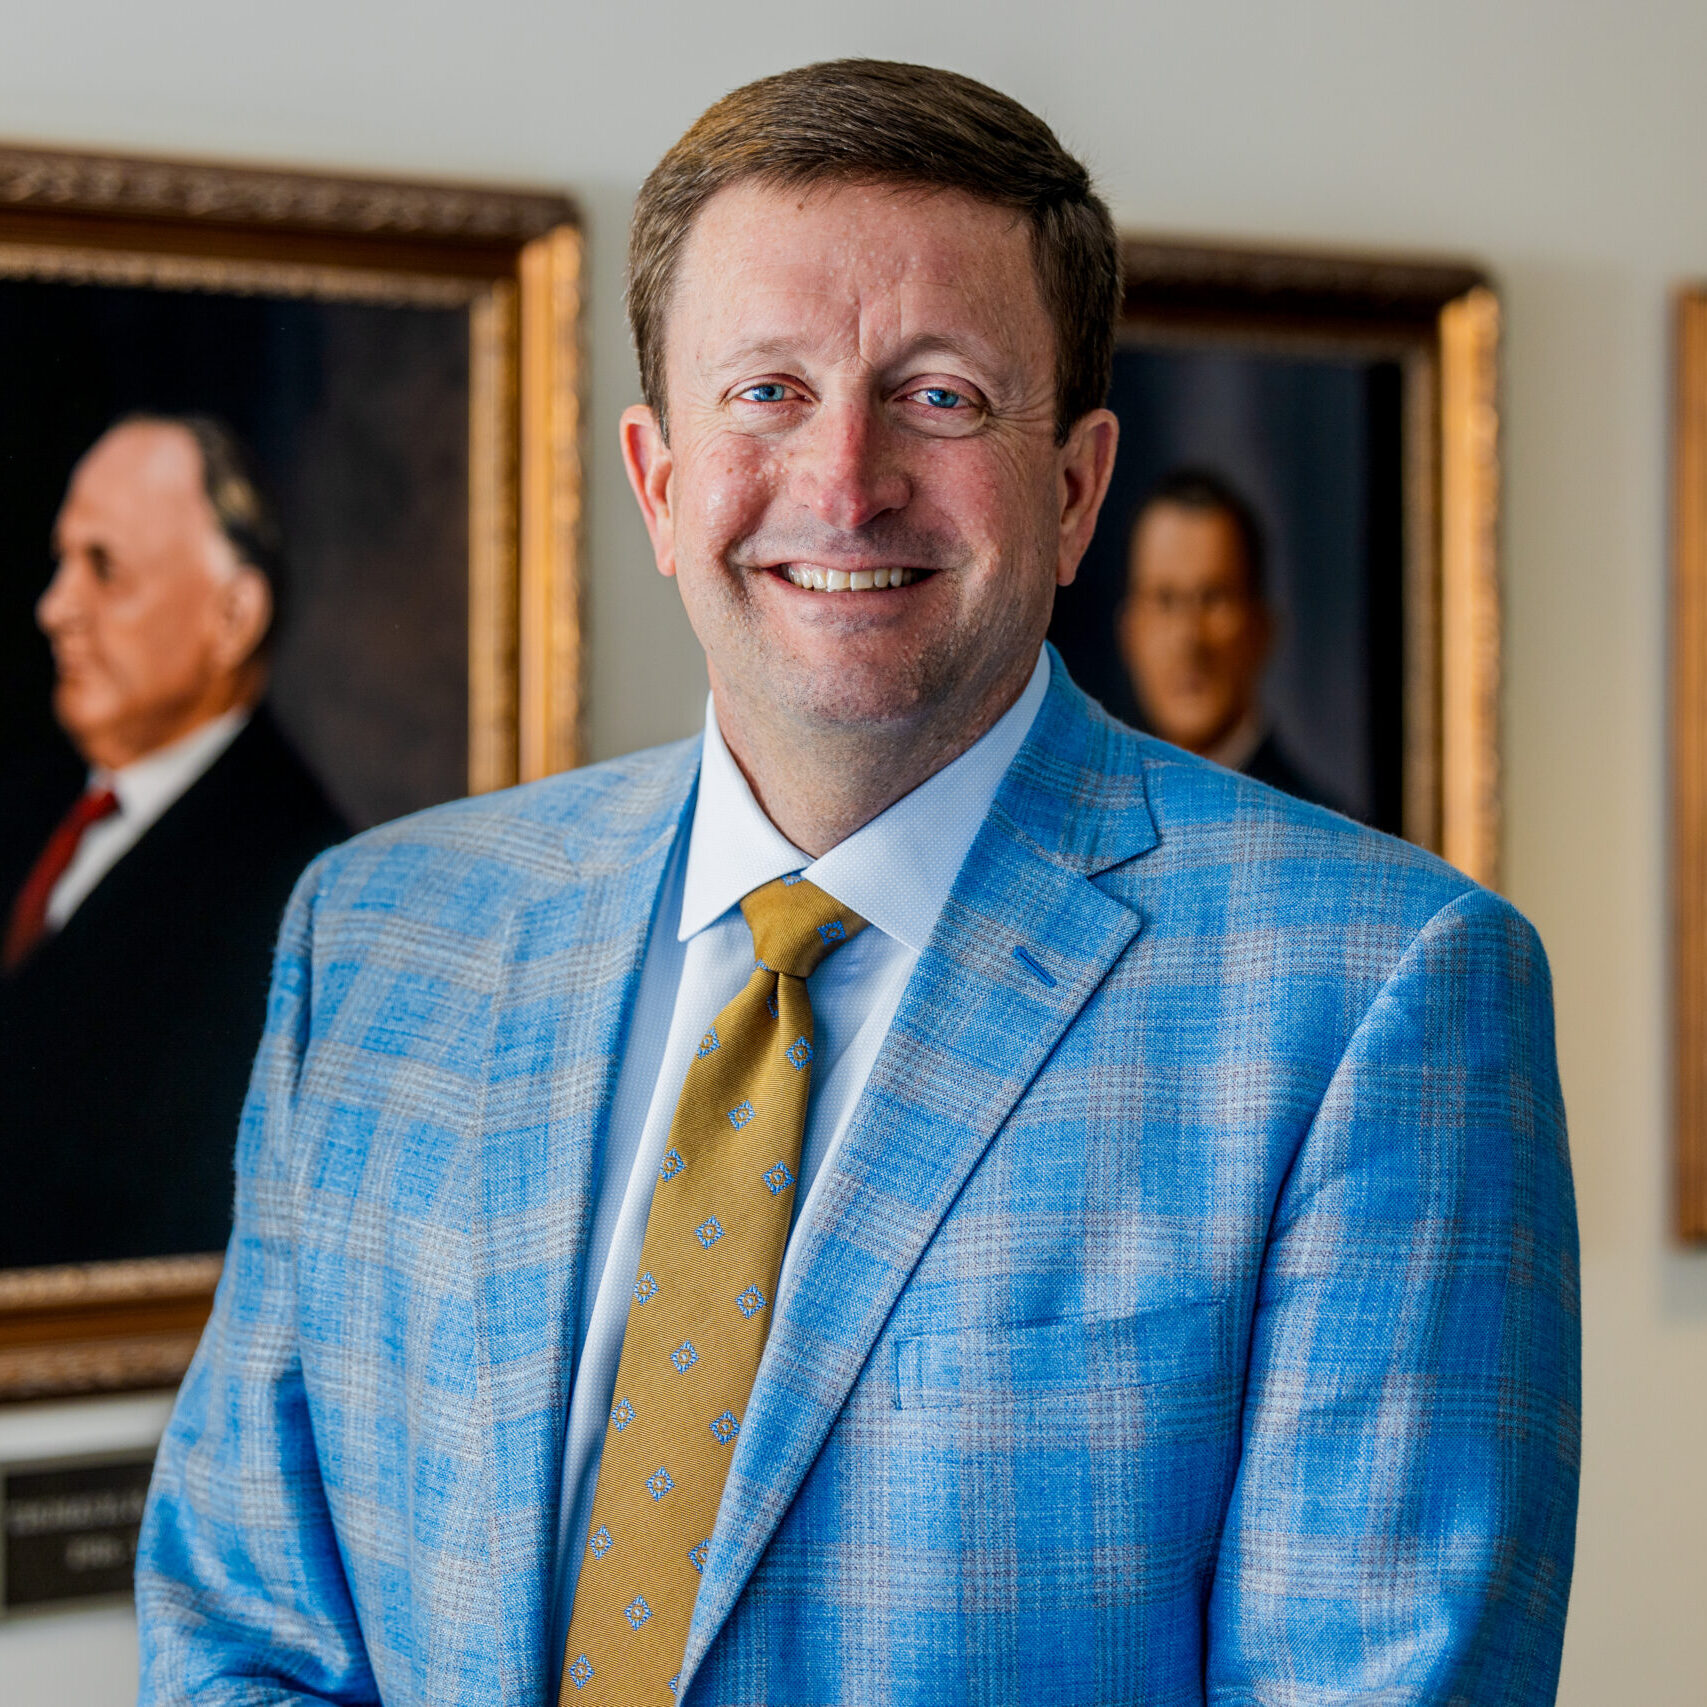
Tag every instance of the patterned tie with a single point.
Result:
(28, 923)
(701, 1311)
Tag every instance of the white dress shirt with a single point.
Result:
(896, 873)
(146, 789)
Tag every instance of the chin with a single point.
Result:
(836, 696)
(1196, 732)
(79, 713)
(839, 705)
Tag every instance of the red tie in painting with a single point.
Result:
(28, 924)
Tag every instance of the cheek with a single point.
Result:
(1239, 654)
(994, 494)
(723, 494)
(158, 639)
(1154, 646)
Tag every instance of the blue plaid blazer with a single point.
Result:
(1191, 1316)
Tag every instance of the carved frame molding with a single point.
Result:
(203, 192)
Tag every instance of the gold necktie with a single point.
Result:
(701, 1310)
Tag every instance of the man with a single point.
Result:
(1196, 628)
(1167, 1289)
(139, 914)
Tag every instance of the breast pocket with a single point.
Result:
(1168, 1368)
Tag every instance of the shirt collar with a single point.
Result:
(895, 872)
(147, 786)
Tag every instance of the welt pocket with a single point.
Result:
(1036, 1361)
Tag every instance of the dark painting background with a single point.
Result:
(1314, 444)
(358, 419)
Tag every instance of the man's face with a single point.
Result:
(1193, 636)
(150, 614)
(861, 390)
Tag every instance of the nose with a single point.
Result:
(57, 608)
(852, 466)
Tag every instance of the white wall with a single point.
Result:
(63, 1658)
(1561, 142)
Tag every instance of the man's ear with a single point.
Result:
(646, 456)
(1086, 465)
(245, 610)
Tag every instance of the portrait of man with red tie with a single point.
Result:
(919, 1192)
(139, 914)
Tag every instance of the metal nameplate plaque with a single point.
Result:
(69, 1530)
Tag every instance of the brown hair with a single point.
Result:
(878, 121)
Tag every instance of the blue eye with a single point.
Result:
(769, 392)
(940, 397)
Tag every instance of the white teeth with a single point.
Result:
(845, 580)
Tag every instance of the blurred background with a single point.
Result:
(1559, 144)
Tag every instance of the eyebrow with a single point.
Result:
(784, 351)
(101, 545)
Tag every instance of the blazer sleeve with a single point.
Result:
(1402, 1523)
(241, 1594)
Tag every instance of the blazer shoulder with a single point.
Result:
(1282, 858)
(1166, 830)
(495, 852)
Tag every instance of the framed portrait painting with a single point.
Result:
(352, 404)
(1295, 571)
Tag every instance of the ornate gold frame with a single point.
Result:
(1689, 762)
(513, 260)
(1440, 319)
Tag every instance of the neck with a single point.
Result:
(1235, 744)
(820, 782)
(114, 748)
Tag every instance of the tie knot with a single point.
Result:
(91, 807)
(795, 924)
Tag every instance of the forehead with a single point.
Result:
(1177, 542)
(862, 260)
(143, 479)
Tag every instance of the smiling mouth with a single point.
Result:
(815, 580)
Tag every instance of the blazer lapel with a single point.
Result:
(566, 988)
(1023, 943)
